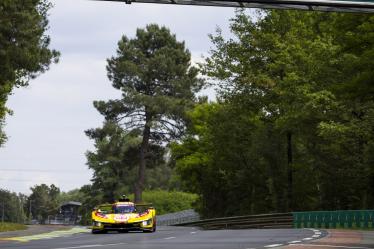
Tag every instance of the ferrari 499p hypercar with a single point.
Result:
(123, 216)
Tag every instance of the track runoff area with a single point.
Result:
(359, 6)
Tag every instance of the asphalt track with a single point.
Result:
(174, 238)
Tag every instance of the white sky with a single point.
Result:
(46, 133)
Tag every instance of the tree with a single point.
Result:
(12, 205)
(24, 47)
(292, 129)
(115, 159)
(158, 83)
(276, 63)
(43, 201)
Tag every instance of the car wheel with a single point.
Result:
(93, 231)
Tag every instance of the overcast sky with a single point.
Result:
(46, 142)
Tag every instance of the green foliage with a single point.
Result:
(72, 195)
(24, 47)
(44, 201)
(13, 206)
(158, 84)
(293, 126)
(113, 159)
(6, 227)
(164, 201)
(168, 201)
(116, 158)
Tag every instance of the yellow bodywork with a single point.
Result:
(138, 218)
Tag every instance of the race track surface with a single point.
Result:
(173, 238)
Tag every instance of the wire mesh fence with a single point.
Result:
(335, 219)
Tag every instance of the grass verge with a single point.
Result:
(4, 227)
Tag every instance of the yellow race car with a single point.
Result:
(123, 216)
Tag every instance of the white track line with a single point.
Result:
(83, 246)
(273, 245)
(317, 234)
(115, 244)
(295, 241)
(90, 246)
(170, 238)
(307, 239)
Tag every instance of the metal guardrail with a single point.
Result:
(278, 220)
(312, 219)
(185, 216)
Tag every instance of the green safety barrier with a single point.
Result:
(334, 219)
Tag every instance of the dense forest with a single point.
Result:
(43, 201)
(293, 125)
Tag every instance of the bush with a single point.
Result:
(168, 202)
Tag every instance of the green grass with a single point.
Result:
(4, 227)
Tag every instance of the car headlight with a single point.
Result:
(147, 222)
(97, 224)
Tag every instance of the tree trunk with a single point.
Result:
(289, 172)
(139, 185)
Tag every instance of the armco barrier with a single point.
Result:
(188, 215)
(334, 219)
(312, 219)
(280, 220)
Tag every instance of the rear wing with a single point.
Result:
(104, 208)
(108, 208)
(142, 207)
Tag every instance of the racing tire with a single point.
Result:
(98, 231)
(151, 230)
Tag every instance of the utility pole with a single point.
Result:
(30, 214)
(3, 213)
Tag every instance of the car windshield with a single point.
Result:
(123, 209)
